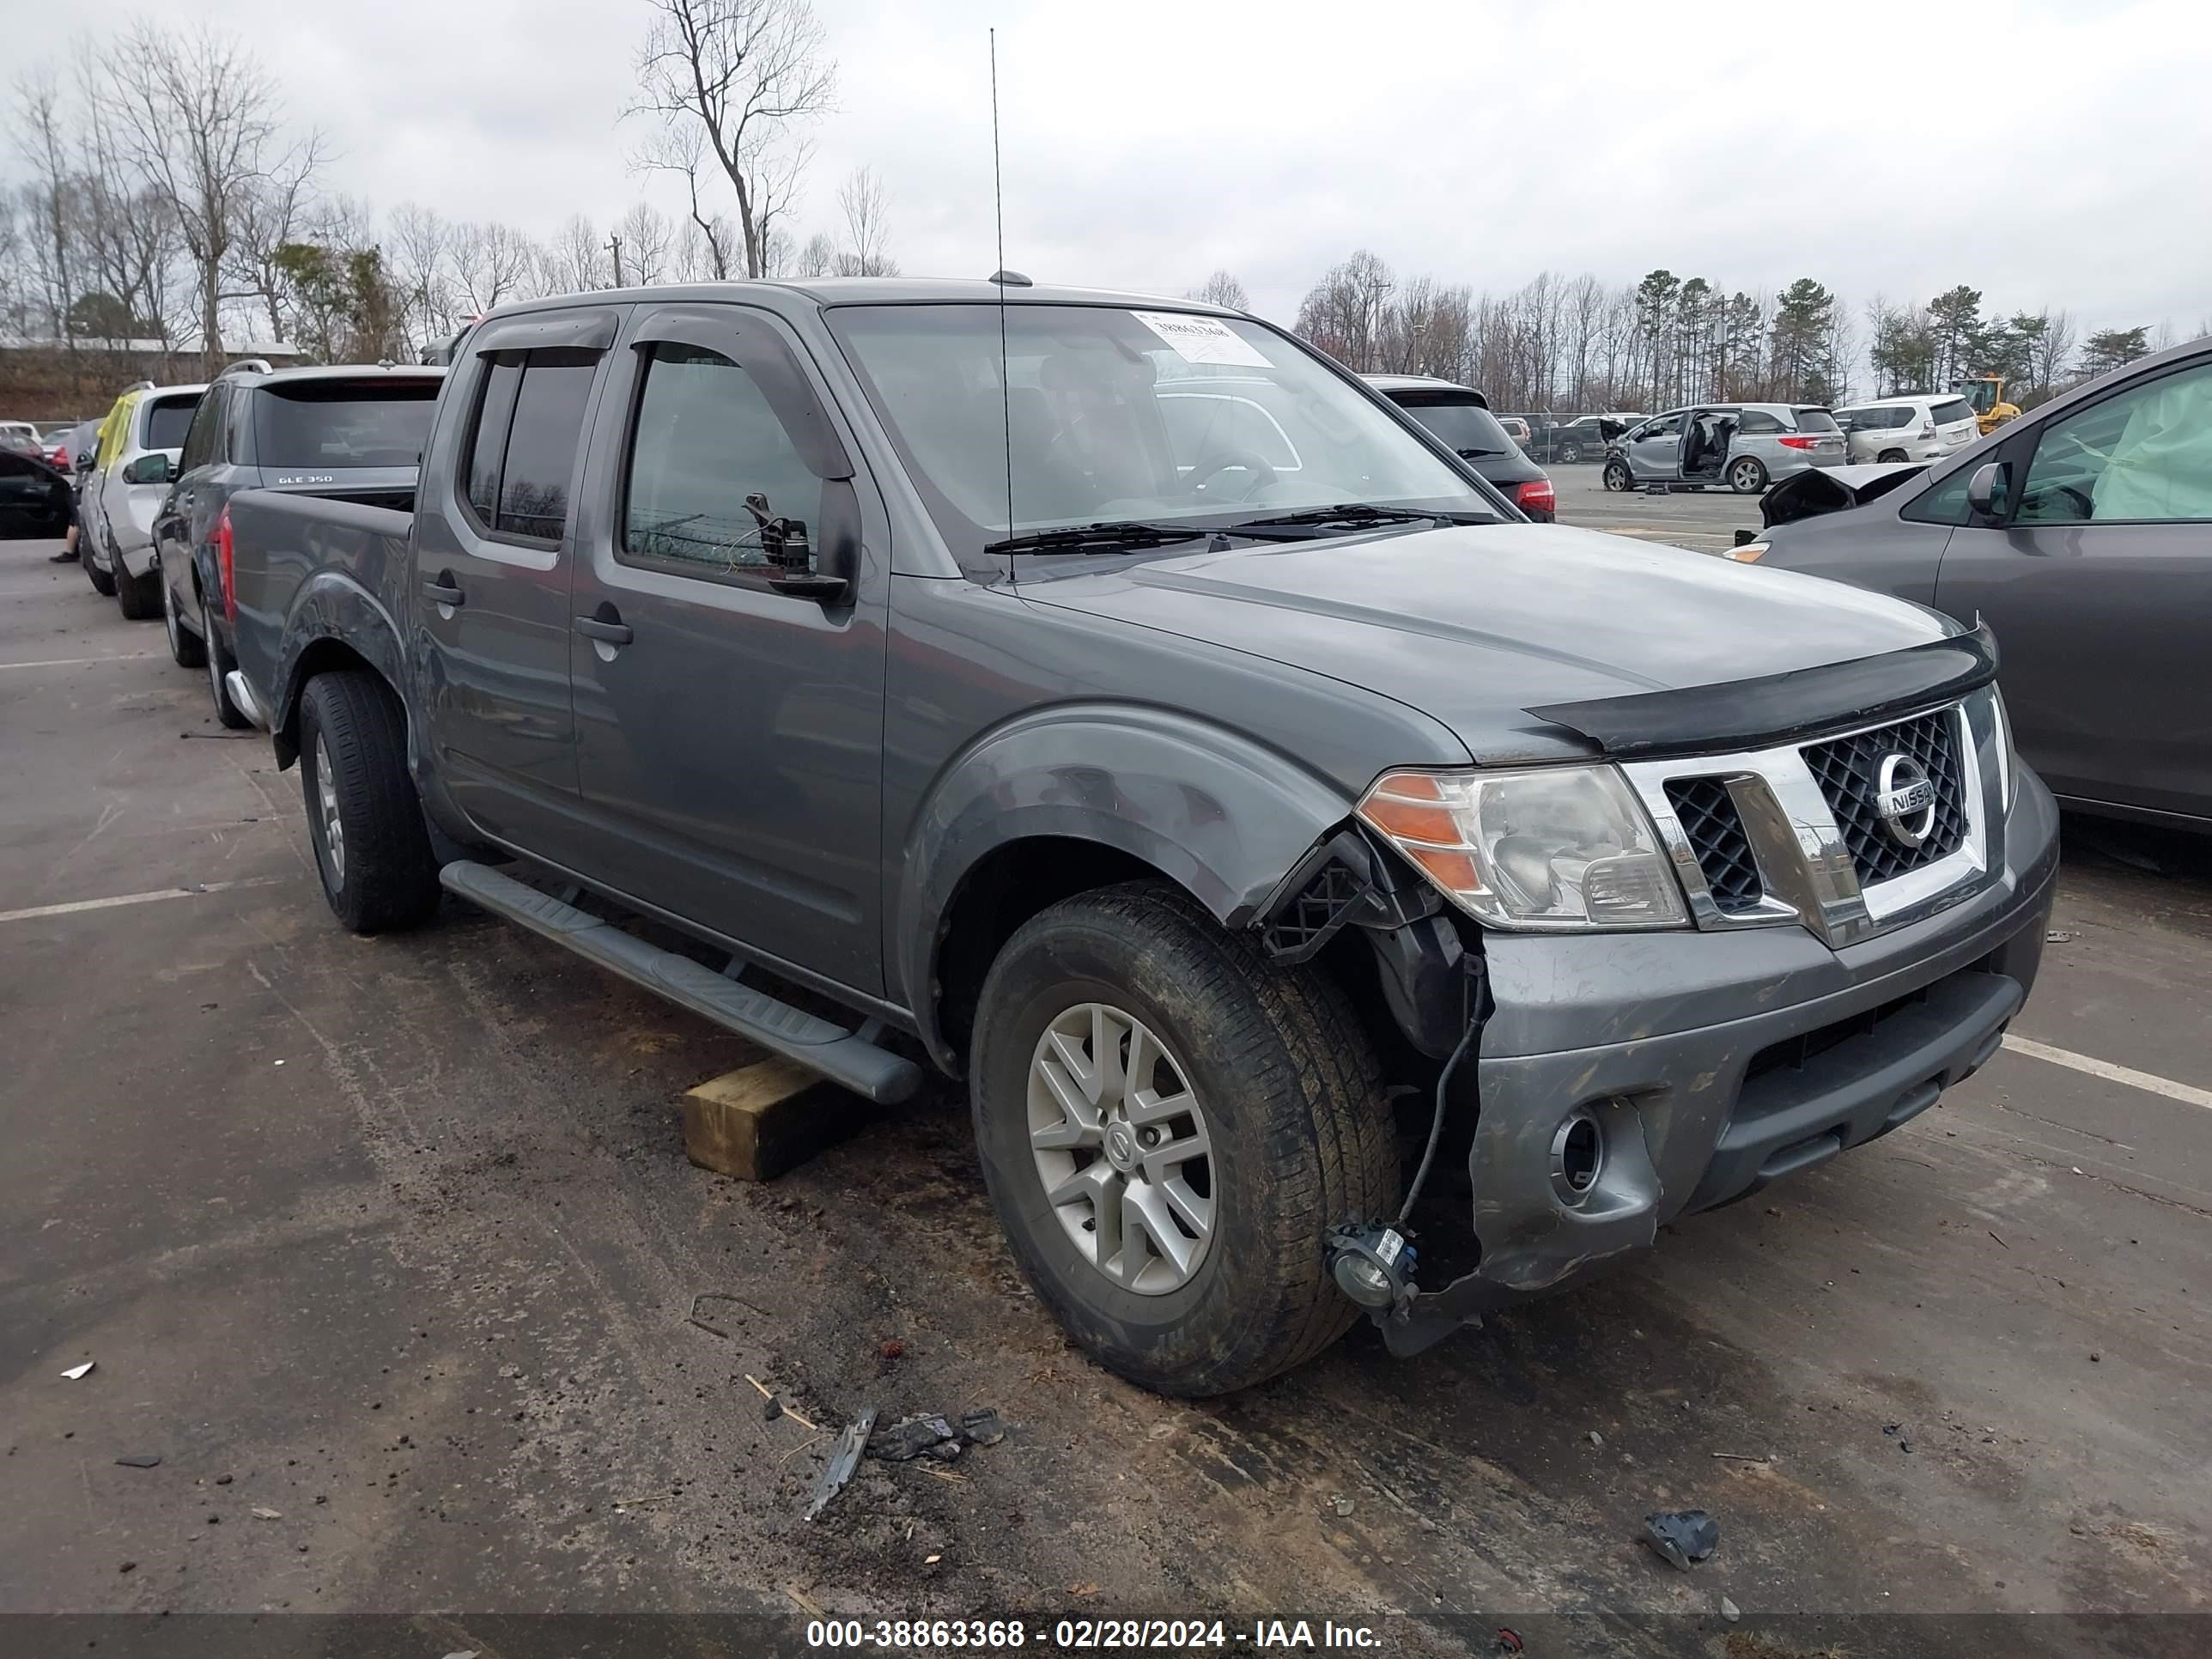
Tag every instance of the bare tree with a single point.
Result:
(710, 247)
(489, 262)
(421, 246)
(575, 261)
(53, 245)
(646, 244)
(198, 117)
(865, 204)
(742, 75)
(819, 257)
(1222, 288)
(272, 211)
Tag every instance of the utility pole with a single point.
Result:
(615, 244)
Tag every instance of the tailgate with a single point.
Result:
(391, 486)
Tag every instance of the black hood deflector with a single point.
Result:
(1776, 709)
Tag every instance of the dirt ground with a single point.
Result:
(389, 1251)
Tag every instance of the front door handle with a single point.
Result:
(608, 626)
(445, 589)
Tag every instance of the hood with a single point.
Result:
(1819, 490)
(1475, 625)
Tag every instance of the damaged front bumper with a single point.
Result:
(1728, 1058)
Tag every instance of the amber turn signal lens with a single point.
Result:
(1406, 821)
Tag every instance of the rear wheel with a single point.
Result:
(1570, 452)
(1891, 455)
(1747, 475)
(1618, 477)
(363, 816)
(186, 648)
(1168, 1127)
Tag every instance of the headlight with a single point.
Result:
(1749, 552)
(1550, 848)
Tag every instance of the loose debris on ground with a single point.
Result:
(844, 1458)
(929, 1435)
(1682, 1537)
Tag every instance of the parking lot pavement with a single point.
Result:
(386, 1249)
(1705, 520)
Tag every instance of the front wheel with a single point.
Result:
(220, 662)
(363, 816)
(1618, 477)
(186, 648)
(1168, 1127)
(1746, 476)
(103, 581)
(134, 595)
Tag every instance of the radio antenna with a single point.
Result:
(999, 278)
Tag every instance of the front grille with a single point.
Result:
(1849, 770)
(1708, 816)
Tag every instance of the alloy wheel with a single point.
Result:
(326, 800)
(1121, 1148)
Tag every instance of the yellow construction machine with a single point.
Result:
(1985, 392)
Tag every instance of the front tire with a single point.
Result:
(135, 596)
(1172, 1214)
(103, 581)
(219, 663)
(186, 648)
(1747, 475)
(1618, 479)
(363, 816)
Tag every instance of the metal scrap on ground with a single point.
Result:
(844, 1458)
(1682, 1537)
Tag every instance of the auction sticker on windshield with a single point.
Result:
(1202, 339)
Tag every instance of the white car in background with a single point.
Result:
(1916, 426)
(139, 446)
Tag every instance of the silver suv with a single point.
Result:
(1921, 427)
(1741, 447)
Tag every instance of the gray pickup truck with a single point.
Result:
(1337, 892)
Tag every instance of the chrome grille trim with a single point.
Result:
(1806, 873)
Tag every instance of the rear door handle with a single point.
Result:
(445, 589)
(614, 631)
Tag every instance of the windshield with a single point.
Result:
(1118, 415)
(330, 423)
(1462, 424)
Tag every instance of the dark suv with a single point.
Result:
(352, 434)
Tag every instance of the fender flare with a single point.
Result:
(331, 605)
(1223, 816)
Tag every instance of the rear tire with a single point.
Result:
(363, 816)
(1282, 1087)
(136, 596)
(1747, 475)
(1891, 455)
(186, 648)
(103, 581)
(219, 663)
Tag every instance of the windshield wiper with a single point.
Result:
(1109, 536)
(1358, 514)
(1477, 454)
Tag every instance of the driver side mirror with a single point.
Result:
(149, 469)
(1988, 489)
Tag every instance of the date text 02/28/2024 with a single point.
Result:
(1165, 1635)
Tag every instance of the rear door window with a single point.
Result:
(168, 419)
(528, 430)
(327, 425)
(1754, 421)
(199, 444)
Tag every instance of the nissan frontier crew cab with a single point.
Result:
(1113, 703)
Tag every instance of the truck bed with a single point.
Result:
(292, 550)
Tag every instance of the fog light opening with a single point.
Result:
(1577, 1156)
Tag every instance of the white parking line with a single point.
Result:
(38, 910)
(73, 662)
(2104, 1068)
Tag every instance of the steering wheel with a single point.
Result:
(1221, 460)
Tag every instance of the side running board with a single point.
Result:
(845, 1057)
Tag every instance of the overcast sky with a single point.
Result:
(2049, 152)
